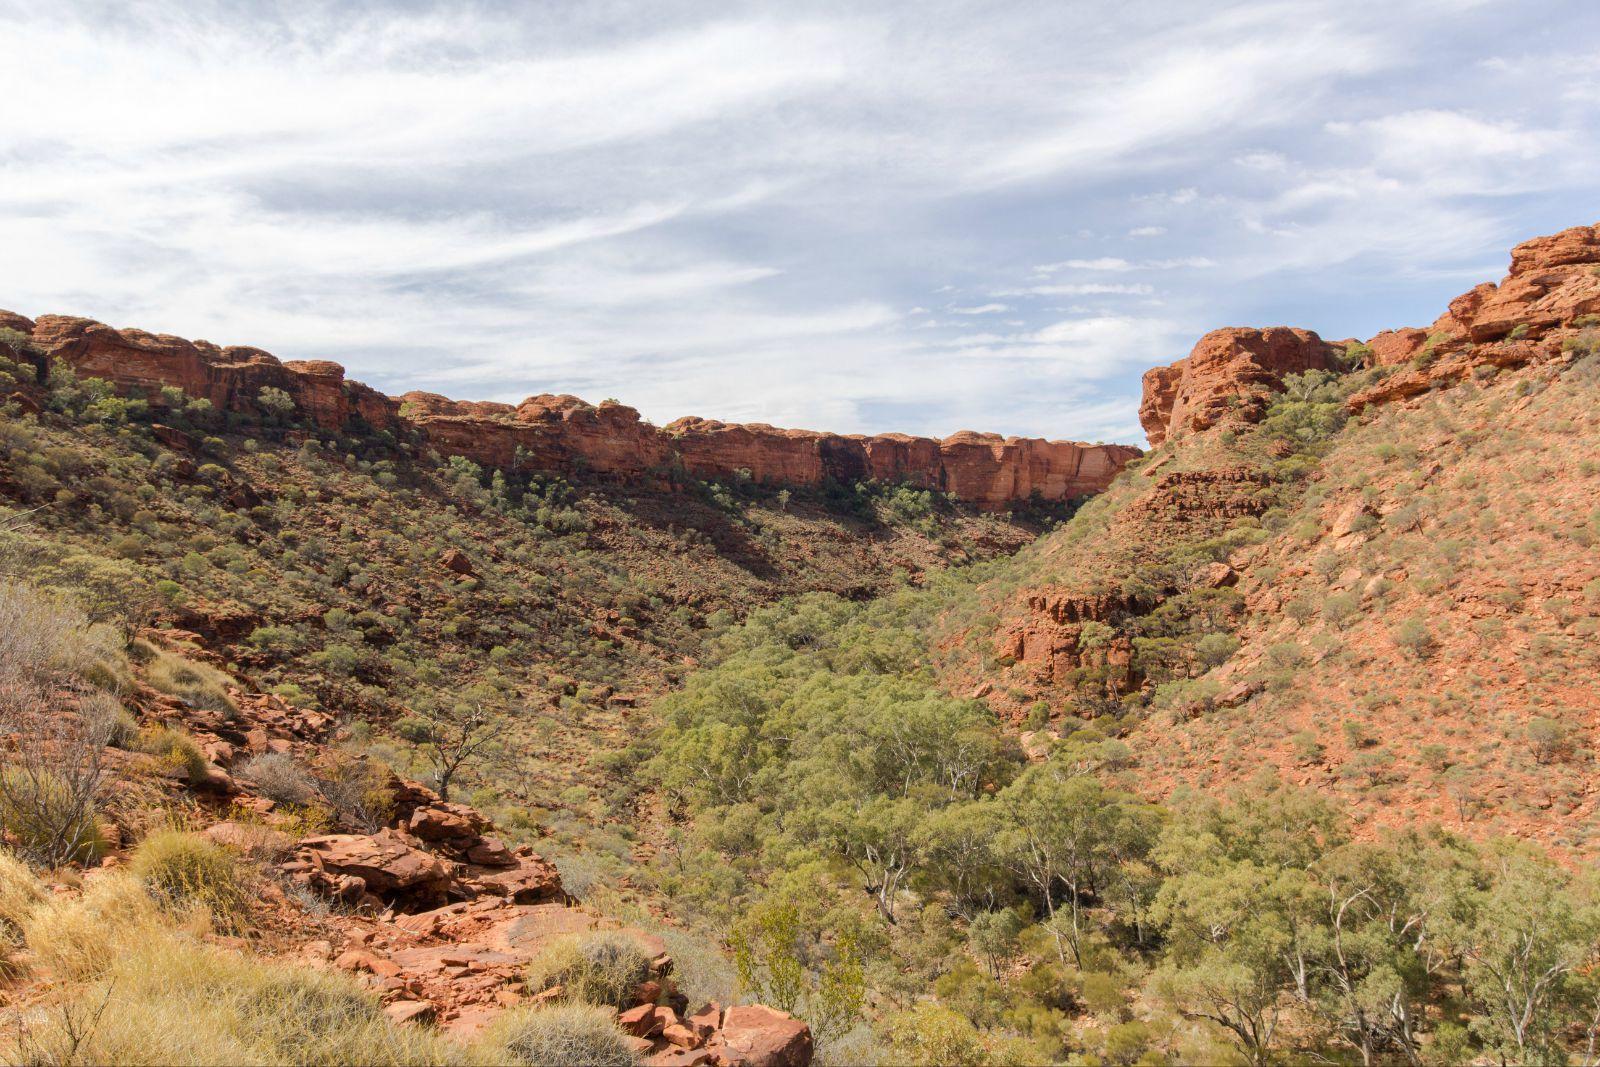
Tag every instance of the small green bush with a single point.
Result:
(47, 819)
(562, 1035)
(175, 750)
(182, 870)
(599, 967)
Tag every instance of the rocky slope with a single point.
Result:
(563, 433)
(417, 899)
(1383, 585)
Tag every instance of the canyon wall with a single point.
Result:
(566, 434)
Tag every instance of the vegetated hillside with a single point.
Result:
(224, 632)
(349, 575)
(928, 818)
(1380, 582)
(1287, 695)
(196, 874)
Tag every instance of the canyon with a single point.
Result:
(564, 434)
(1363, 569)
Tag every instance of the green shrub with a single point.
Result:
(600, 967)
(1413, 636)
(933, 1034)
(279, 778)
(49, 819)
(197, 684)
(562, 1035)
(175, 750)
(183, 870)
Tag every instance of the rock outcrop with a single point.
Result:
(1230, 372)
(437, 915)
(985, 469)
(230, 378)
(1548, 303)
(1553, 286)
(565, 434)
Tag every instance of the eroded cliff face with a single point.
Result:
(1548, 299)
(231, 378)
(985, 469)
(565, 434)
(1232, 371)
(1553, 286)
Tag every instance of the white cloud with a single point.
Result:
(1102, 263)
(1084, 289)
(1147, 231)
(982, 309)
(1116, 263)
(1267, 161)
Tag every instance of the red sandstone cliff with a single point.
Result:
(1232, 370)
(1552, 290)
(563, 433)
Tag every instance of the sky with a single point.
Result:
(863, 217)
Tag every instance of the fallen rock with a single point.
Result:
(753, 1035)
(456, 561)
(532, 881)
(409, 1011)
(640, 1021)
(1216, 576)
(442, 822)
(387, 865)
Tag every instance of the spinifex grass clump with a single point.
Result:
(600, 967)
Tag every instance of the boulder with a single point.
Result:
(174, 438)
(490, 852)
(387, 864)
(753, 1035)
(531, 881)
(640, 1021)
(440, 822)
(455, 561)
(409, 1011)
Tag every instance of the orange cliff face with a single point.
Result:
(1551, 293)
(1231, 371)
(564, 433)
(984, 469)
(1550, 298)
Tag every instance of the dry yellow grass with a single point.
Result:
(599, 967)
(78, 937)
